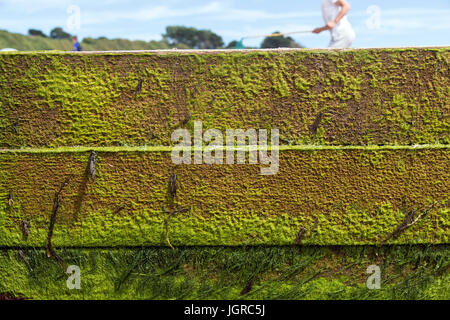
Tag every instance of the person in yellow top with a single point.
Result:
(334, 14)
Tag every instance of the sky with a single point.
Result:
(377, 23)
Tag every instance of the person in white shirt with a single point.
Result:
(335, 15)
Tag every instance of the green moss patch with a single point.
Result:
(368, 96)
(356, 196)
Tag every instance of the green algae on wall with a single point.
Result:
(407, 272)
(368, 96)
(357, 196)
(125, 107)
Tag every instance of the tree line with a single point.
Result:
(187, 37)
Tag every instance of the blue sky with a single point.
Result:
(378, 23)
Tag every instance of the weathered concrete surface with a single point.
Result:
(357, 196)
(365, 96)
(388, 97)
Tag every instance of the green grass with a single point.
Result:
(407, 272)
(27, 43)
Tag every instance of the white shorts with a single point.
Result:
(344, 41)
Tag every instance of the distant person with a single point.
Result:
(76, 44)
(334, 13)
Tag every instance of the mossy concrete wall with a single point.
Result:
(356, 195)
(379, 152)
(366, 96)
(115, 103)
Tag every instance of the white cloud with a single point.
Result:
(404, 21)
(149, 13)
(215, 11)
(255, 15)
(28, 7)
